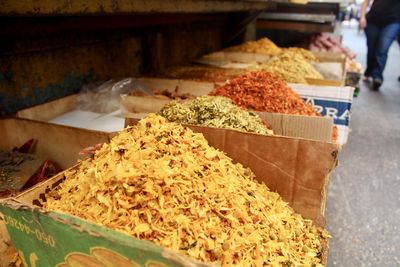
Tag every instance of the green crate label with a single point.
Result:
(59, 240)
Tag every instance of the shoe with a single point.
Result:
(367, 79)
(376, 84)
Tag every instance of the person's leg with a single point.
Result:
(386, 37)
(372, 34)
(398, 40)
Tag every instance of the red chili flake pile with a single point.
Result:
(263, 91)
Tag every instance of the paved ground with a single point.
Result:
(363, 210)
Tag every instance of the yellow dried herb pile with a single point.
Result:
(261, 46)
(307, 54)
(291, 67)
(160, 181)
(214, 111)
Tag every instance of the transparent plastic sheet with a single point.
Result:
(106, 98)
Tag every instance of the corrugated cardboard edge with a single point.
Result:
(49, 110)
(307, 127)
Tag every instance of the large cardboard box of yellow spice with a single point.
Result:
(298, 169)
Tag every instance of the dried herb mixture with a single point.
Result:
(214, 111)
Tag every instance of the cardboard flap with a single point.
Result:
(49, 110)
(307, 127)
(295, 168)
(140, 104)
(61, 144)
(181, 86)
(203, 73)
(236, 56)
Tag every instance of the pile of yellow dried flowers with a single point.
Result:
(162, 182)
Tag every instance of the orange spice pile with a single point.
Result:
(263, 91)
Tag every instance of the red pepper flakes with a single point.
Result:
(263, 91)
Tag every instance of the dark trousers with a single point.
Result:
(379, 39)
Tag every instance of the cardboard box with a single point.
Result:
(330, 101)
(313, 128)
(297, 169)
(61, 144)
(223, 56)
(63, 111)
(58, 143)
(330, 63)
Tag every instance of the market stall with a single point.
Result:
(173, 139)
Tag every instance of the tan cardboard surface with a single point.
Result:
(307, 127)
(297, 169)
(329, 56)
(49, 110)
(59, 143)
(180, 86)
(203, 73)
(140, 104)
(236, 56)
